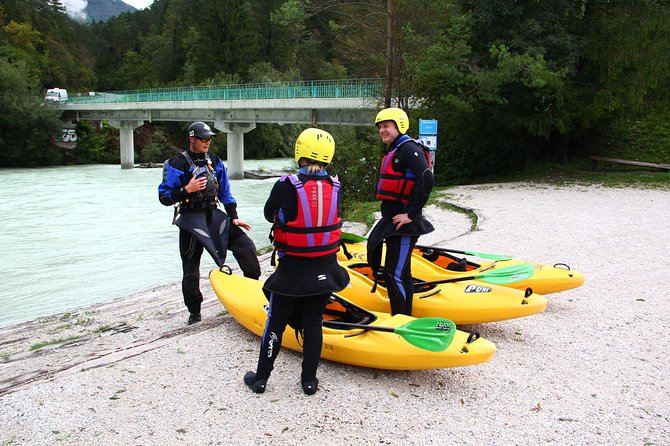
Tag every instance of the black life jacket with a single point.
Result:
(211, 190)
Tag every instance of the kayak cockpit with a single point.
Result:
(340, 310)
(446, 261)
(366, 270)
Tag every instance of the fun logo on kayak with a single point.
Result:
(477, 289)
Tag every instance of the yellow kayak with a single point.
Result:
(245, 301)
(464, 302)
(433, 264)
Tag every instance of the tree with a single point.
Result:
(157, 148)
(623, 70)
(27, 126)
(513, 82)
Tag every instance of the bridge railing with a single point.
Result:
(344, 88)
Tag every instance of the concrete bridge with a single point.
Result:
(232, 109)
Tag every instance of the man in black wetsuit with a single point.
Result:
(197, 180)
(304, 210)
(405, 183)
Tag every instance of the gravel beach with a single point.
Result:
(593, 369)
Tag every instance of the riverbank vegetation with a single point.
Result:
(516, 87)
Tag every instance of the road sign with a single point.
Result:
(428, 127)
(428, 133)
(429, 141)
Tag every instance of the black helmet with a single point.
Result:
(200, 130)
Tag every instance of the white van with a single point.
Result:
(56, 95)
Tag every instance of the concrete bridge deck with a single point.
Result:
(232, 109)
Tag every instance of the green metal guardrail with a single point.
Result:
(345, 88)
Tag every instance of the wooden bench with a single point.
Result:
(596, 159)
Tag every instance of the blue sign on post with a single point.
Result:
(428, 126)
(428, 134)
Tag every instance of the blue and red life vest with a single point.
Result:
(315, 232)
(394, 185)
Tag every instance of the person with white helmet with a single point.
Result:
(405, 183)
(196, 181)
(304, 211)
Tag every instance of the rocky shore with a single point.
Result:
(592, 369)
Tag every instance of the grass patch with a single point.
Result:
(68, 325)
(102, 328)
(472, 216)
(86, 321)
(264, 250)
(361, 211)
(43, 344)
(161, 312)
(580, 172)
(106, 327)
(575, 172)
(60, 327)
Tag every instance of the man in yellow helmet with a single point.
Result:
(405, 183)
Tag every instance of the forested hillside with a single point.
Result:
(510, 82)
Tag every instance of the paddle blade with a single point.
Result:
(348, 237)
(507, 274)
(429, 333)
(483, 255)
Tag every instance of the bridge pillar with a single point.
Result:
(126, 141)
(235, 142)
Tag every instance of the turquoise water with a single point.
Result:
(79, 235)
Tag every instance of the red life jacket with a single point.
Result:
(315, 232)
(398, 186)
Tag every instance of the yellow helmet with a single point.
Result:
(315, 144)
(396, 115)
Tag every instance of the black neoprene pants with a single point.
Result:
(282, 308)
(190, 250)
(398, 272)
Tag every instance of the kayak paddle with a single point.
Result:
(348, 237)
(481, 255)
(499, 276)
(429, 333)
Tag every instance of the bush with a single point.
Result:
(157, 148)
(645, 139)
(96, 144)
(357, 159)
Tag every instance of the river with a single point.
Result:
(80, 235)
